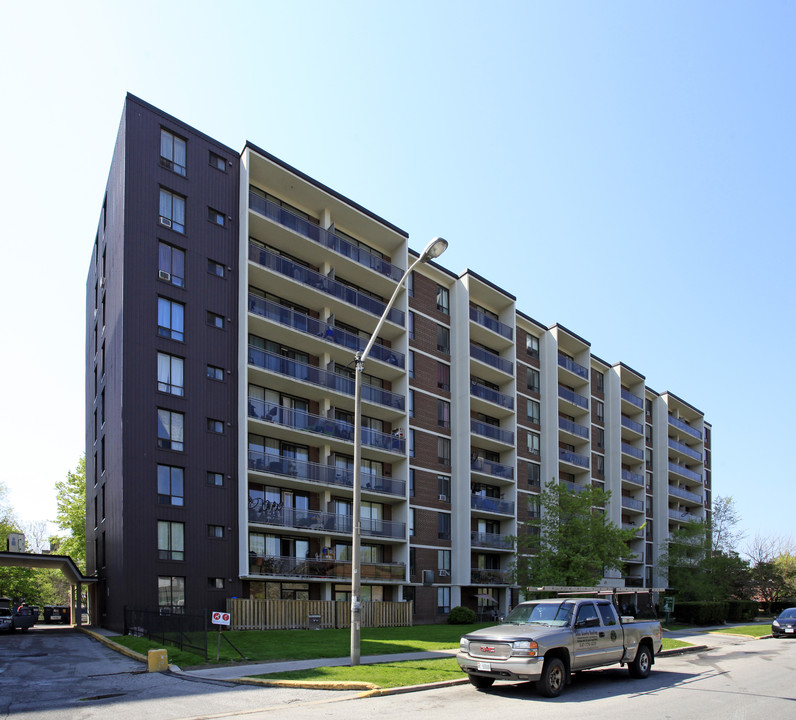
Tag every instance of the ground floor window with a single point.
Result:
(370, 593)
(443, 600)
(171, 594)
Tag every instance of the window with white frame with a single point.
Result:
(532, 345)
(443, 600)
(534, 412)
(534, 445)
(172, 152)
(443, 299)
(532, 379)
(171, 264)
(172, 210)
(444, 560)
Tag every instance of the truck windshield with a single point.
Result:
(557, 614)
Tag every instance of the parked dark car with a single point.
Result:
(6, 620)
(57, 614)
(785, 623)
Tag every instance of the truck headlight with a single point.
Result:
(464, 645)
(524, 648)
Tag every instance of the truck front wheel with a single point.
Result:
(553, 678)
(641, 666)
(482, 683)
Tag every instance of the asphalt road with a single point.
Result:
(58, 673)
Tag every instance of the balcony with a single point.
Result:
(573, 397)
(631, 477)
(492, 359)
(682, 516)
(322, 378)
(573, 458)
(323, 237)
(632, 398)
(630, 526)
(320, 568)
(573, 487)
(685, 427)
(573, 367)
(494, 469)
(490, 395)
(491, 431)
(494, 325)
(573, 428)
(319, 425)
(685, 494)
(685, 450)
(276, 515)
(491, 540)
(489, 577)
(636, 427)
(314, 327)
(321, 283)
(632, 451)
(683, 471)
(325, 474)
(632, 504)
(491, 504)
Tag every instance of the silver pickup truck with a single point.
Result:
(545, 641)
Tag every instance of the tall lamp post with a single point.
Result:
(433, 250)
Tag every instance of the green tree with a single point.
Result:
(71, 514)
(572, 542)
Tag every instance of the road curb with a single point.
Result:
(113, 645)
(683, 651)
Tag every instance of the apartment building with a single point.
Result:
(227, 295)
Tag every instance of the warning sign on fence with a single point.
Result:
(219, 618)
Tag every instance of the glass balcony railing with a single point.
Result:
(632, 425)
(323, 378)
(300, 420)
(500, 328)
(489, 577)
(573, 367)
(683, 471)
(685, 427)
(680, 447)
(491, 540)
(573, 397)
(632, 451)
(493, 396)
(494, 469)
(325, 474)
(682, 516)
(635, 478)
(573, 487)
(493, 359)
(491, 504)
(312, 326)
(490, 431)
(573, 458)
(279, 516)
(314, 232)
(685, 494)
(632, 398)
(632, 504)
(324, 284)
(322, 568)
(573, 428)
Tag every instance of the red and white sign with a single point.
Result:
(219, 618)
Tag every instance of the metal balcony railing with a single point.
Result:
(573, 427)
(489, 322)
(682, 516)
(573, 397)
(632, 398)
(494, 469)
(493, 359)
(489, 577)
(573, 458)
(491, 540)
(320, 568)
(493, 396)
(491, 504)
(632, 425)
(491, 431)
(685, 494)
(275, 514)
(683, 471)
(633, 451)
(573, 367)
(685, 450)
(635, 478)
(632, 504)
(685, 427)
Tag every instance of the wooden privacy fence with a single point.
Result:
(295, 614)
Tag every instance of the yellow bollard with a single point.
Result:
(157, 660)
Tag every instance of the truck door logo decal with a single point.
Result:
(613, 635)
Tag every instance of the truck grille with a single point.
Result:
(490, 651)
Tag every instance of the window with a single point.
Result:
(444, 526)
(215, 583)
(172, 152)
(215, 531)
(599, 467)
(171, 594)
(172, 210)
(170, 430)
(443, 299)
(444, 488)
(533, 443)
(215, 426)
(218, 162)
(532, 379)
(532, 345)
(443, 339)
(443, 376)
(443, 600)
(411, 404)
(411, 521)
(607, 613)
(171, 319)
(410, 284)
(171, 485)
(412, 561)
(215, 373)
(411, 442)
(215, 320)
(444, 451)
(599, 380)
(534, 412)
(599, 408)
(171, 540)
(215, 268)
(599, 437)
(410, 324)
(647, 457)
(411, 482)
(647, 406)
(171, 374)
(216, 217)
(215, 479)
(534, 474)
(444, 560)
(411, 368)
(443, 413)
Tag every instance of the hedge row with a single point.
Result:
(701, 613)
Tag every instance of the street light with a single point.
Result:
(433, 250)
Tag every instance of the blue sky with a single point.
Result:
(625, 169)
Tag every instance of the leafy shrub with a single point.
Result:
(461, 616)
(701, 613)
(739, 610)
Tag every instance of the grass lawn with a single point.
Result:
(672, 644)
(749, 630)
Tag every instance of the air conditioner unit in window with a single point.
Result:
(444, 573)
(444, 498)
(163, 275)
(165, 222)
